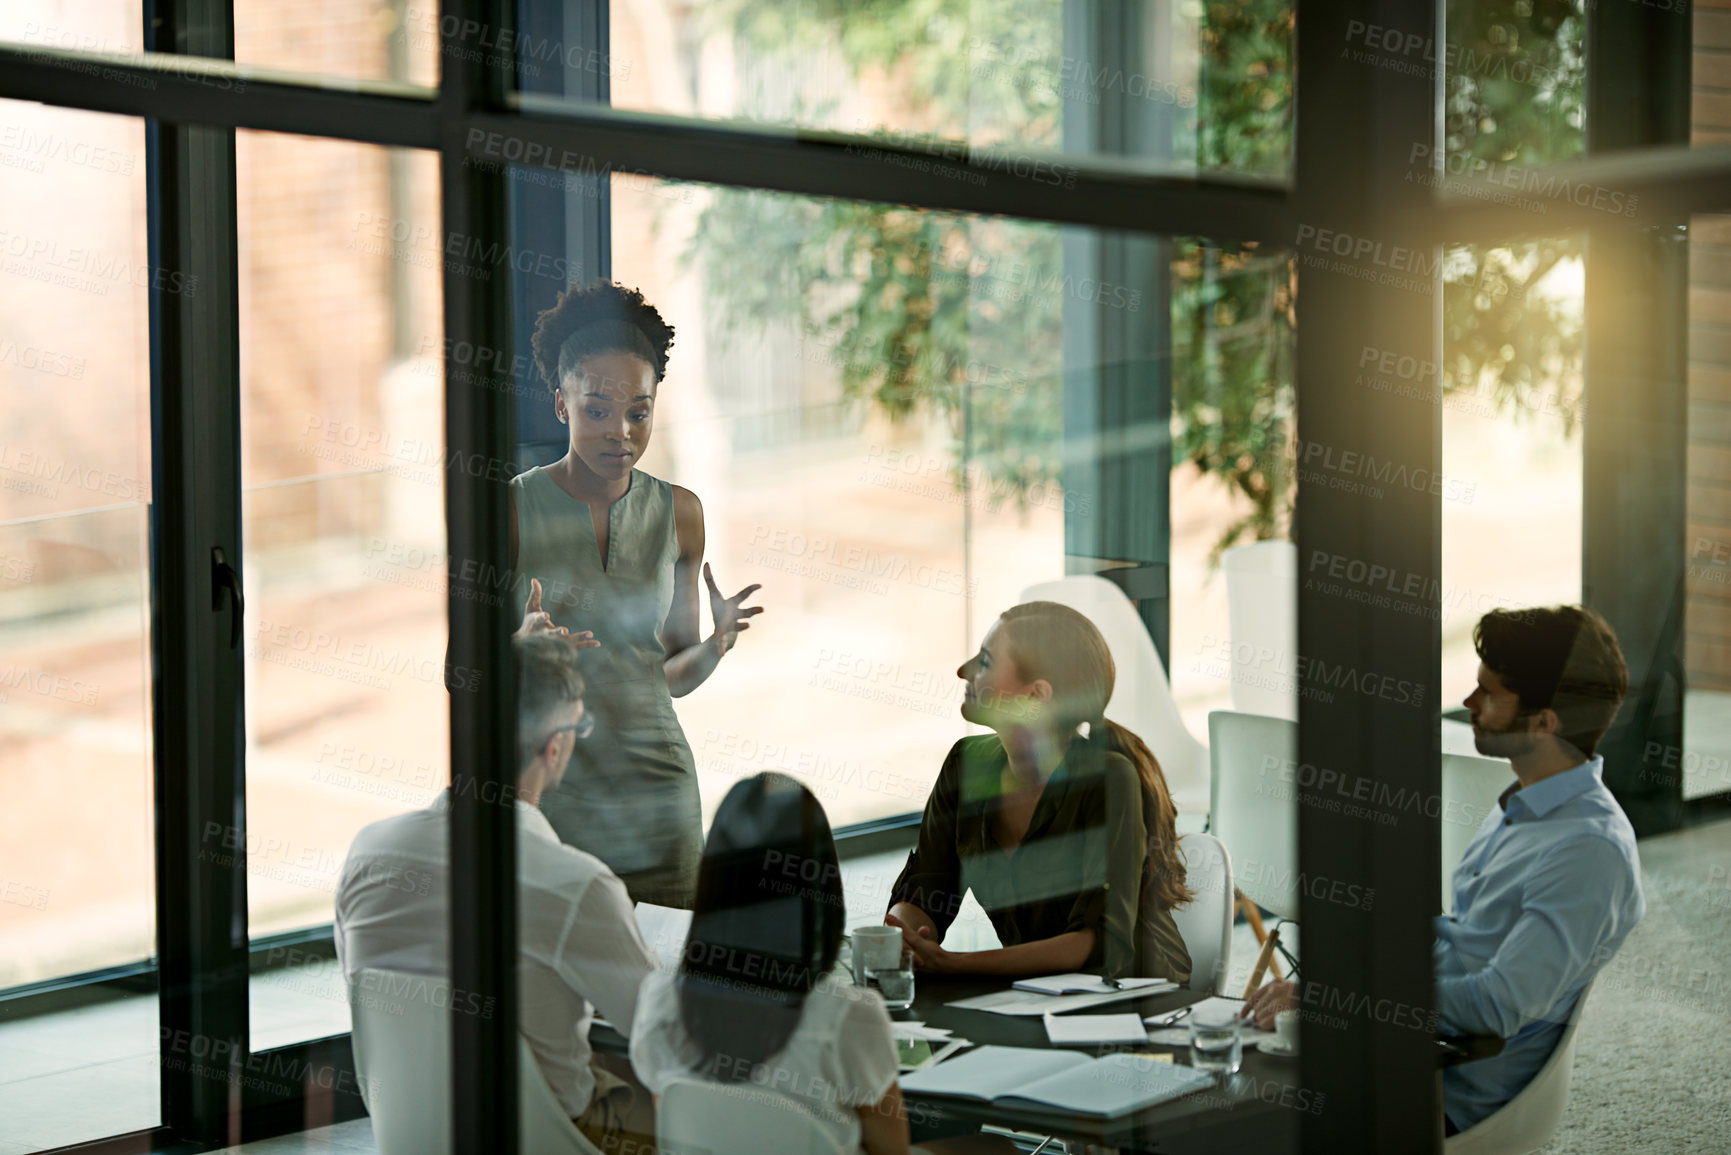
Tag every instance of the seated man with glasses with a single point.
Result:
(1551, 884)
(578, 940)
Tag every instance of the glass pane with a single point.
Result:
(75, 25)
(1189, 86)
(1705, 761)
(903, 423)
(77, 863)
(343, 517)
(358, 39)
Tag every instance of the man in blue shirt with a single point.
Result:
(1551, 884)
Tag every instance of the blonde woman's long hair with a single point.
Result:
(1054, 642)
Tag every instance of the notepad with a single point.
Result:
(1080, 984)
(1015, 1002)
(663, 929)
(1083, 1030)
(1012, 1077)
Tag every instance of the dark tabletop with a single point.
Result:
(1256, 1110)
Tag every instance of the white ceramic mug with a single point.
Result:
(874, 947)
(1286, 1030)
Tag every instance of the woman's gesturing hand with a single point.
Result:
(730, 613)
(538, 621)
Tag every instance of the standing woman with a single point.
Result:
(609, 556)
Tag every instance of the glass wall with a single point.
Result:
(343, 520)
(1021, 76)
(76, 847)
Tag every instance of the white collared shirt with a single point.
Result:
(579, 944)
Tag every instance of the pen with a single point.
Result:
(1112, 982)
(1171, 1020)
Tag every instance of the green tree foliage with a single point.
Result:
(964, 316)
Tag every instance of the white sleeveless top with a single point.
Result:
(841, 1055)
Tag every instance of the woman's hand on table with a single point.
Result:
(538, 621)
(1269, 1000)
(929, 955)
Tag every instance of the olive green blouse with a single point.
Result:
(1080, 866)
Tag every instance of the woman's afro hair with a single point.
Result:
(579, 305)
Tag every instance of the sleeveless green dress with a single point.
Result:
(630, 794)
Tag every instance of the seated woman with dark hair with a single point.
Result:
(1069, 841)
(756, 998)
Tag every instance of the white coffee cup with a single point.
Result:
(1286, 1030)
(875, 947)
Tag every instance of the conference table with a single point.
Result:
(1258, 1110)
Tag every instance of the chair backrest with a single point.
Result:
(1470, 788)
(696, 1117)
(1142, 696)
(1255, 804)
(1206, 922)
(402, 1044)
(1262, 616)
(1527, 1122)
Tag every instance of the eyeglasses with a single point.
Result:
(582, 727)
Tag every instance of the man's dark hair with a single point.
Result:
(547, 682)
(1562, 658)
(610, 318)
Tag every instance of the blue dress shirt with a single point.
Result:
(1545, 894)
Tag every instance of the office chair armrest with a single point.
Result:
(1453, 1050)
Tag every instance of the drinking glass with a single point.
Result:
(1216, 1043)
(896, 984)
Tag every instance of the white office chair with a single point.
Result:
(1206, 922)
(1255, 805)
(1529, 1120)
(402, 1042)
(1262, 617)
(1142, 698)
(695, 1117)
(1470, 788)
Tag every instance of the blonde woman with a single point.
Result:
(1059, 820)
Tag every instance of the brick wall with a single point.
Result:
(1707, 621)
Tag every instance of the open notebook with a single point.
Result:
(1025, 1077)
